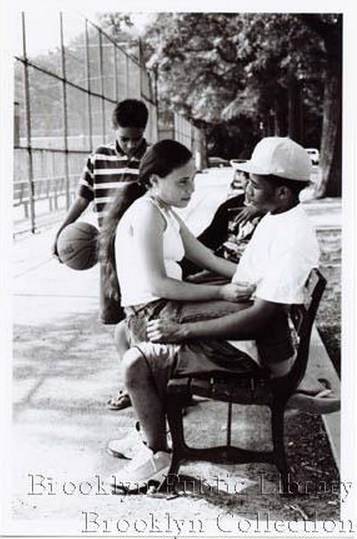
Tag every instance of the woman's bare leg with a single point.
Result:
(145, 399)
(121, 399)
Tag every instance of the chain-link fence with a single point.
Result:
(64, 97)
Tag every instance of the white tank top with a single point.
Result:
(132, 277)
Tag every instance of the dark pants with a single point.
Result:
(111, 311)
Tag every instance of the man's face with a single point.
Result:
(261, 194)
(129, 138)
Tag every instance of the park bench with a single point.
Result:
(247, 389)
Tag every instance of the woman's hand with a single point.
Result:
(237, 292)
(165, 331)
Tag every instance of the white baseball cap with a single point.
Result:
(279, 156)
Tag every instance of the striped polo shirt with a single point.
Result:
(107, 169)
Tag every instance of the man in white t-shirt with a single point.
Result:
(277, 261)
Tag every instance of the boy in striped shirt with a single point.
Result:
(108, 168)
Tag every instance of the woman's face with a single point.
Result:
(176, 188)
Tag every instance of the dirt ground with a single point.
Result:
(75, 425)
(62, 425)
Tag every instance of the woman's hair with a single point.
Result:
(124, 198)
(160, 159)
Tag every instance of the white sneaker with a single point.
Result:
(128, 447)
(146, 466)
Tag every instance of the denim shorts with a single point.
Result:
(137, 316)
(209, 356)
(205, 356)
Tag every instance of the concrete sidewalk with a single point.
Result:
(65, 368)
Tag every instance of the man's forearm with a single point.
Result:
(241, 325)
(245, 324)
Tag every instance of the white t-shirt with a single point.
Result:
(278, 260)
(131, 272)
(280, 256)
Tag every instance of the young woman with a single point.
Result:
(143, 241)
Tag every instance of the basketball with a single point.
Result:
(77, 245)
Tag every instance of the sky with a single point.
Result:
(49, 37)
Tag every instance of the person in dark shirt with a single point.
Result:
(230, 230)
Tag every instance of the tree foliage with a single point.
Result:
(272, 67)
(242, 75)
(329, 29)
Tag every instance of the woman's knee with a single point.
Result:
(134, 367)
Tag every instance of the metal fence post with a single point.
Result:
(140, 69)
(126, 76)
(90, 121)
(65, 119)
(28, 129)
(102, 83)
(116, 88)
(60, 148)
(16, 124)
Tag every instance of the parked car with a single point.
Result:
(314, 155)
(218, 162)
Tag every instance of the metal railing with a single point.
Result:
(63, 103)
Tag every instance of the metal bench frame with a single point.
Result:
(247, 389)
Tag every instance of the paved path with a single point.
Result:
(65, 368)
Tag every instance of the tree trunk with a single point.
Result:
(203, 146)
(330, 184)
(295, 119)
(330, 157)
(281, 113)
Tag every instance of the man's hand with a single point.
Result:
(237, 292)
(75, 211)
(249, 213)
(165, 331)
